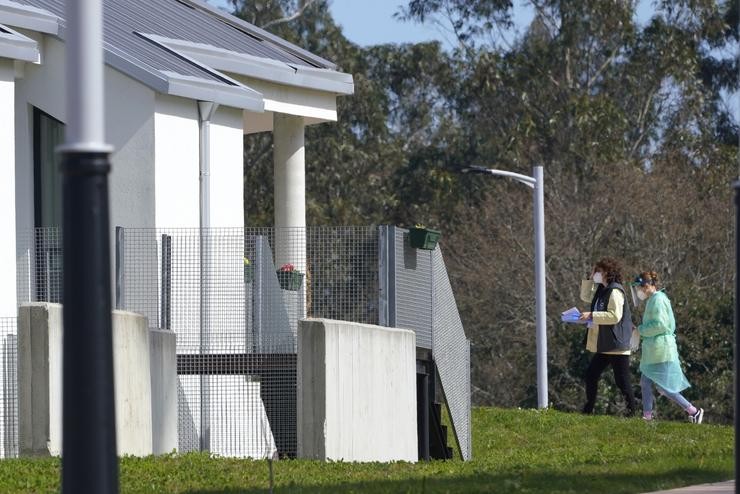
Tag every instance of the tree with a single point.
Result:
(624, 117)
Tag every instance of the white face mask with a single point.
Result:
(598, 277)
(641, 294)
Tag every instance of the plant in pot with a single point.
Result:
(289, 278)
(248, 271)
(421, 237)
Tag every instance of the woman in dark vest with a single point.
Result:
(609, 330)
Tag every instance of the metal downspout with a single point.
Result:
(206, 110)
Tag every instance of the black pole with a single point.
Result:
(89, 462)
(736, 186)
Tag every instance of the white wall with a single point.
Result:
(129, 117)
(7, 192)
(227, 168)
(176, 162)
(177, 169)
(129, 126)
(238, 422)
(356, 392)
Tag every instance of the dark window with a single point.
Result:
(48, 133)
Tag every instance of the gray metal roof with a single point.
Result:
(129, 24)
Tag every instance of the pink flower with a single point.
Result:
(287, 267)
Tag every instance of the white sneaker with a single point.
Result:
(697, 417)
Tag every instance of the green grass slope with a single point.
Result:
(522, 451)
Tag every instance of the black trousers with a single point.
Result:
(621, 368)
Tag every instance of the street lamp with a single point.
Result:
(89, 461)
(536, 182)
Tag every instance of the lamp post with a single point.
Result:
(89, 462)
(536, 182)
(736, 186)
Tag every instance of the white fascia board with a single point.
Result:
(238, 96)
(265, 69)
(303, 102)
(27, 17)
(320, 114)
(17, 46)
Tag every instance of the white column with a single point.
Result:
(290, 191)
(7, 191)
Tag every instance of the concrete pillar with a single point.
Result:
(145, 383)
(8, 305)
(356, 392)
(290, 191)
(133, 383)
(163, 359)
(40, 379)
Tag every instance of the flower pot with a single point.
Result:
(424, 238)
(248, 273)
(290, 280)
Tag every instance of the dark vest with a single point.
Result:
(612, 337)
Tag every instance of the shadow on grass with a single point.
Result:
(542, 482)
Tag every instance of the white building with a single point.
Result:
(183, 83)
(162, 57)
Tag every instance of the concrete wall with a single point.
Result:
(356, 392)
(133, 384)
(40, 383)
(7, 190)
(163, 362)
(39, 379)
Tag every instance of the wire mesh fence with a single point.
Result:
(39, 265)
(9, 389)
(234, 298)
(421, 298)
(413, 279)
(451, 350)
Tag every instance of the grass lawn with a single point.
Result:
(514, 451)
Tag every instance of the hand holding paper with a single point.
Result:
(573, 316)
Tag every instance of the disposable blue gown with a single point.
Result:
(659, 359)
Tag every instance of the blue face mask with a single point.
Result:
(598, 277)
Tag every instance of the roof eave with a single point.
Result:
(223, 94)
(260, 68)
(27, 17)
(16, 46)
